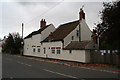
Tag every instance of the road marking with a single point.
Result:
(59, 73)
(24, 64)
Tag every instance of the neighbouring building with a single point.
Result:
(0, 46)
(71, 41)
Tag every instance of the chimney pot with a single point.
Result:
(81, 14)
(42, 23)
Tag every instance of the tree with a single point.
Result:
(109, 28)
(12, 44)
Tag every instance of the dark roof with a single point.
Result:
(36, 32)
(62, 31)
(76, 45)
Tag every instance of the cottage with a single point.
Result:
(0, 46)
(70, 41)
(32, 45)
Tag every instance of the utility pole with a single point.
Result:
(22, 39)
(22, 29)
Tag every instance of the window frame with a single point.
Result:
(34, 50)
(53, 50)
(58, 50)
(38, 50)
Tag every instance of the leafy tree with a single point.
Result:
(13, 44)
(109, 28)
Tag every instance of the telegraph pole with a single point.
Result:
(22, 39)
(22, 29)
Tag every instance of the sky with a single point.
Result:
(15, 12)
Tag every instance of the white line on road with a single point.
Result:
(24, 64)
(59, 73)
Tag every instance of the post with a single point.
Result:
(22, 30)
(98, 42)
(22, 39)
(79, 31)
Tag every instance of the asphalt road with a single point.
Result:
(19, 67)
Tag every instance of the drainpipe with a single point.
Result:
(79, 32)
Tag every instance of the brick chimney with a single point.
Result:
(42, 23)
(81, 14)
(94, 36)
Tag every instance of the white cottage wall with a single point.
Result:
(45, 33)
(34, 42)
(68, 38)
(87, 56)
(85, 31)
(0, 46)
(74, 55)
(27, 46)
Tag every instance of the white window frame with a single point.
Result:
(53, 50)
(34, 50)
(38, 50)
(58, 51)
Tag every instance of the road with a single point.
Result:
(14, 66)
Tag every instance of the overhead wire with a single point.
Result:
(45, 12)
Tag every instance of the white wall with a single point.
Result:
(35, 41)
(47, 31)
(68, 38)
(0, 46)
(87, 56)
(85, 31)
(0, 49)
(48, 46)
(76, 55)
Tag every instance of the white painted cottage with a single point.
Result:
(0, 46)
(70, 41)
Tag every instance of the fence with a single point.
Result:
(98, 57)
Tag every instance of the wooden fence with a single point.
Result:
(104, 58)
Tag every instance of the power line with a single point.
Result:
(45, 12)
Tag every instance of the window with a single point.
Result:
(44, 50)
(38, 49)
(53, 50)
(70, 51)
(77, 33)
(33, 49)
(58, 50)
(72, 37)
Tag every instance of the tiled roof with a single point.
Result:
(76, 45)
(62, 31)
(36, 32)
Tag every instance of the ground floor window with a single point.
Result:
(53, 50)
(44, 50)
(70, 51)
(58, 50)
(33, 49)
(38, 49)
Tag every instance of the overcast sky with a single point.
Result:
(15, 12)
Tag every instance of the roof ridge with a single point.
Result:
(68, 22)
